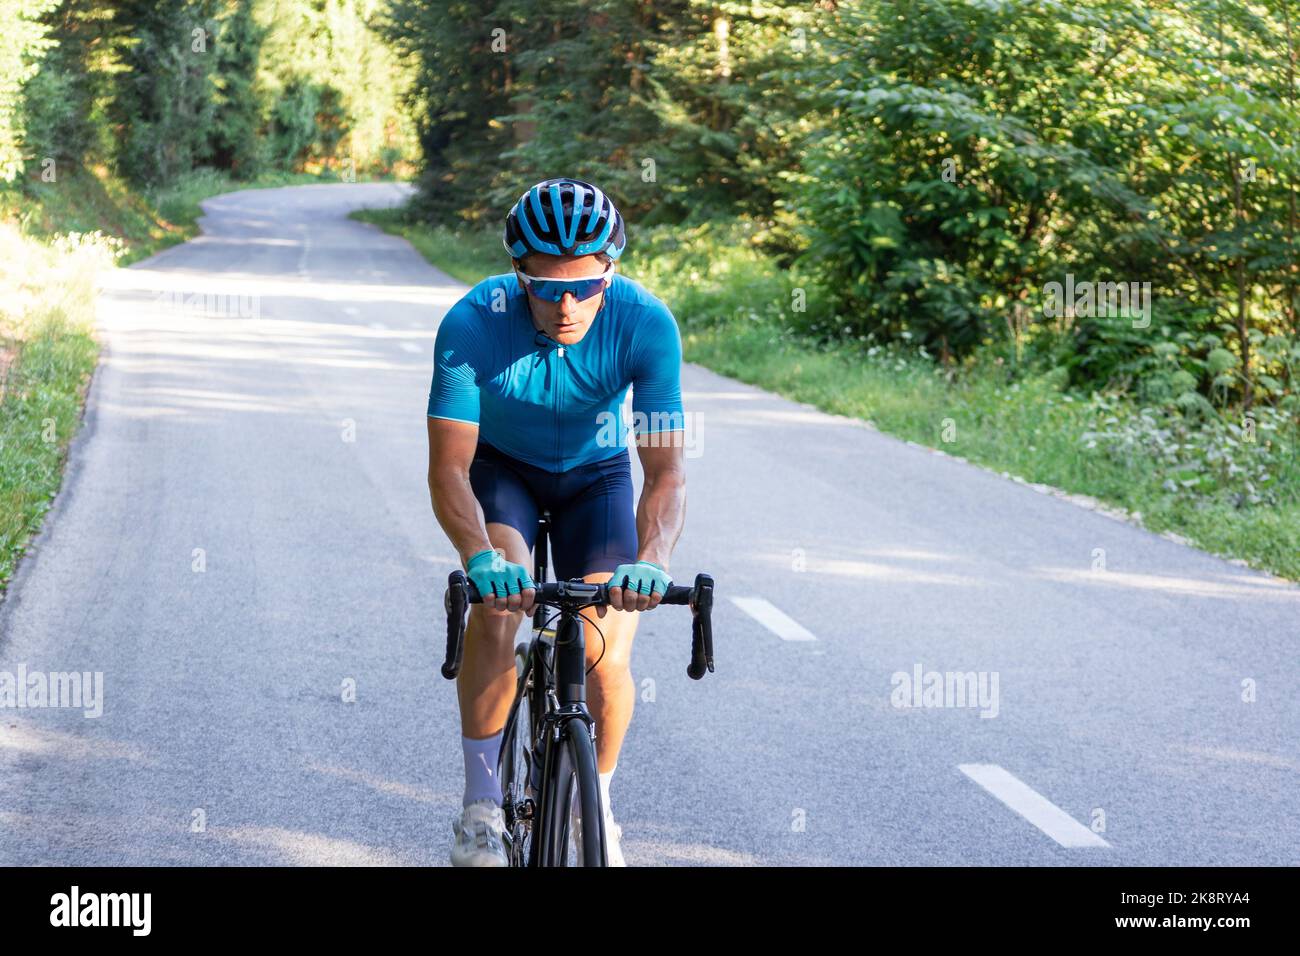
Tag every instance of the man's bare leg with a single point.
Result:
(611, 693)
(486, 684)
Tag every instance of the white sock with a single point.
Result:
(605, 794)
(481, 768)
(605, 778)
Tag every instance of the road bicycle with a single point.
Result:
(548, 746)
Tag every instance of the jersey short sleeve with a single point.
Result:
(459, 356)
(657, 373)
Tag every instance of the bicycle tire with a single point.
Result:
(575, 766)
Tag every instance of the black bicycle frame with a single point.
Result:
(560, 675)
(558, 700)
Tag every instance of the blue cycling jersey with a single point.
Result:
(557, 406)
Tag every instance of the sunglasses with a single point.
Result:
(553, 290)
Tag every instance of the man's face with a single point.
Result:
(568, 320)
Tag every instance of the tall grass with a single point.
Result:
(46, 334)
(90, 201)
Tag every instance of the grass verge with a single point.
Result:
(92, 201)
(48, 352)
(462, 255)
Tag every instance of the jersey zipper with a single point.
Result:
(559, 403)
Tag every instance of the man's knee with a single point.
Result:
(611, 639)
(615, 657)
(495, 625)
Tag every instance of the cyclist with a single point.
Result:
(531, 370)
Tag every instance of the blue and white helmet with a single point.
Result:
(564, 217)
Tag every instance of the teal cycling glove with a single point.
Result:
(493, 574)
(644, 577)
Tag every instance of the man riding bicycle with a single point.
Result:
(531, 369)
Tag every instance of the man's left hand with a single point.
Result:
(638, 587)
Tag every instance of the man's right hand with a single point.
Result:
(504, 585)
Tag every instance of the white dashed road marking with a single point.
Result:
(1031, 805)
(410, 347)
(774, 619)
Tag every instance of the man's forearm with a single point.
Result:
(459, 512)
(660, 515)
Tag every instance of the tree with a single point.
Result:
(22, 43)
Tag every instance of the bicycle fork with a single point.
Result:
(566, 713)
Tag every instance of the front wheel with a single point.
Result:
(575, 778)
(515, 766)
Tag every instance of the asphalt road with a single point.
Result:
(244, 536)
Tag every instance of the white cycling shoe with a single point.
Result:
(613, 834)
(479, 835)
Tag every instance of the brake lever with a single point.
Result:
(455, 602)
(701, 628)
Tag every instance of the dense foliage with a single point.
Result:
(154, 89)
(934, 165)
(654, 100)
(1111, 142)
